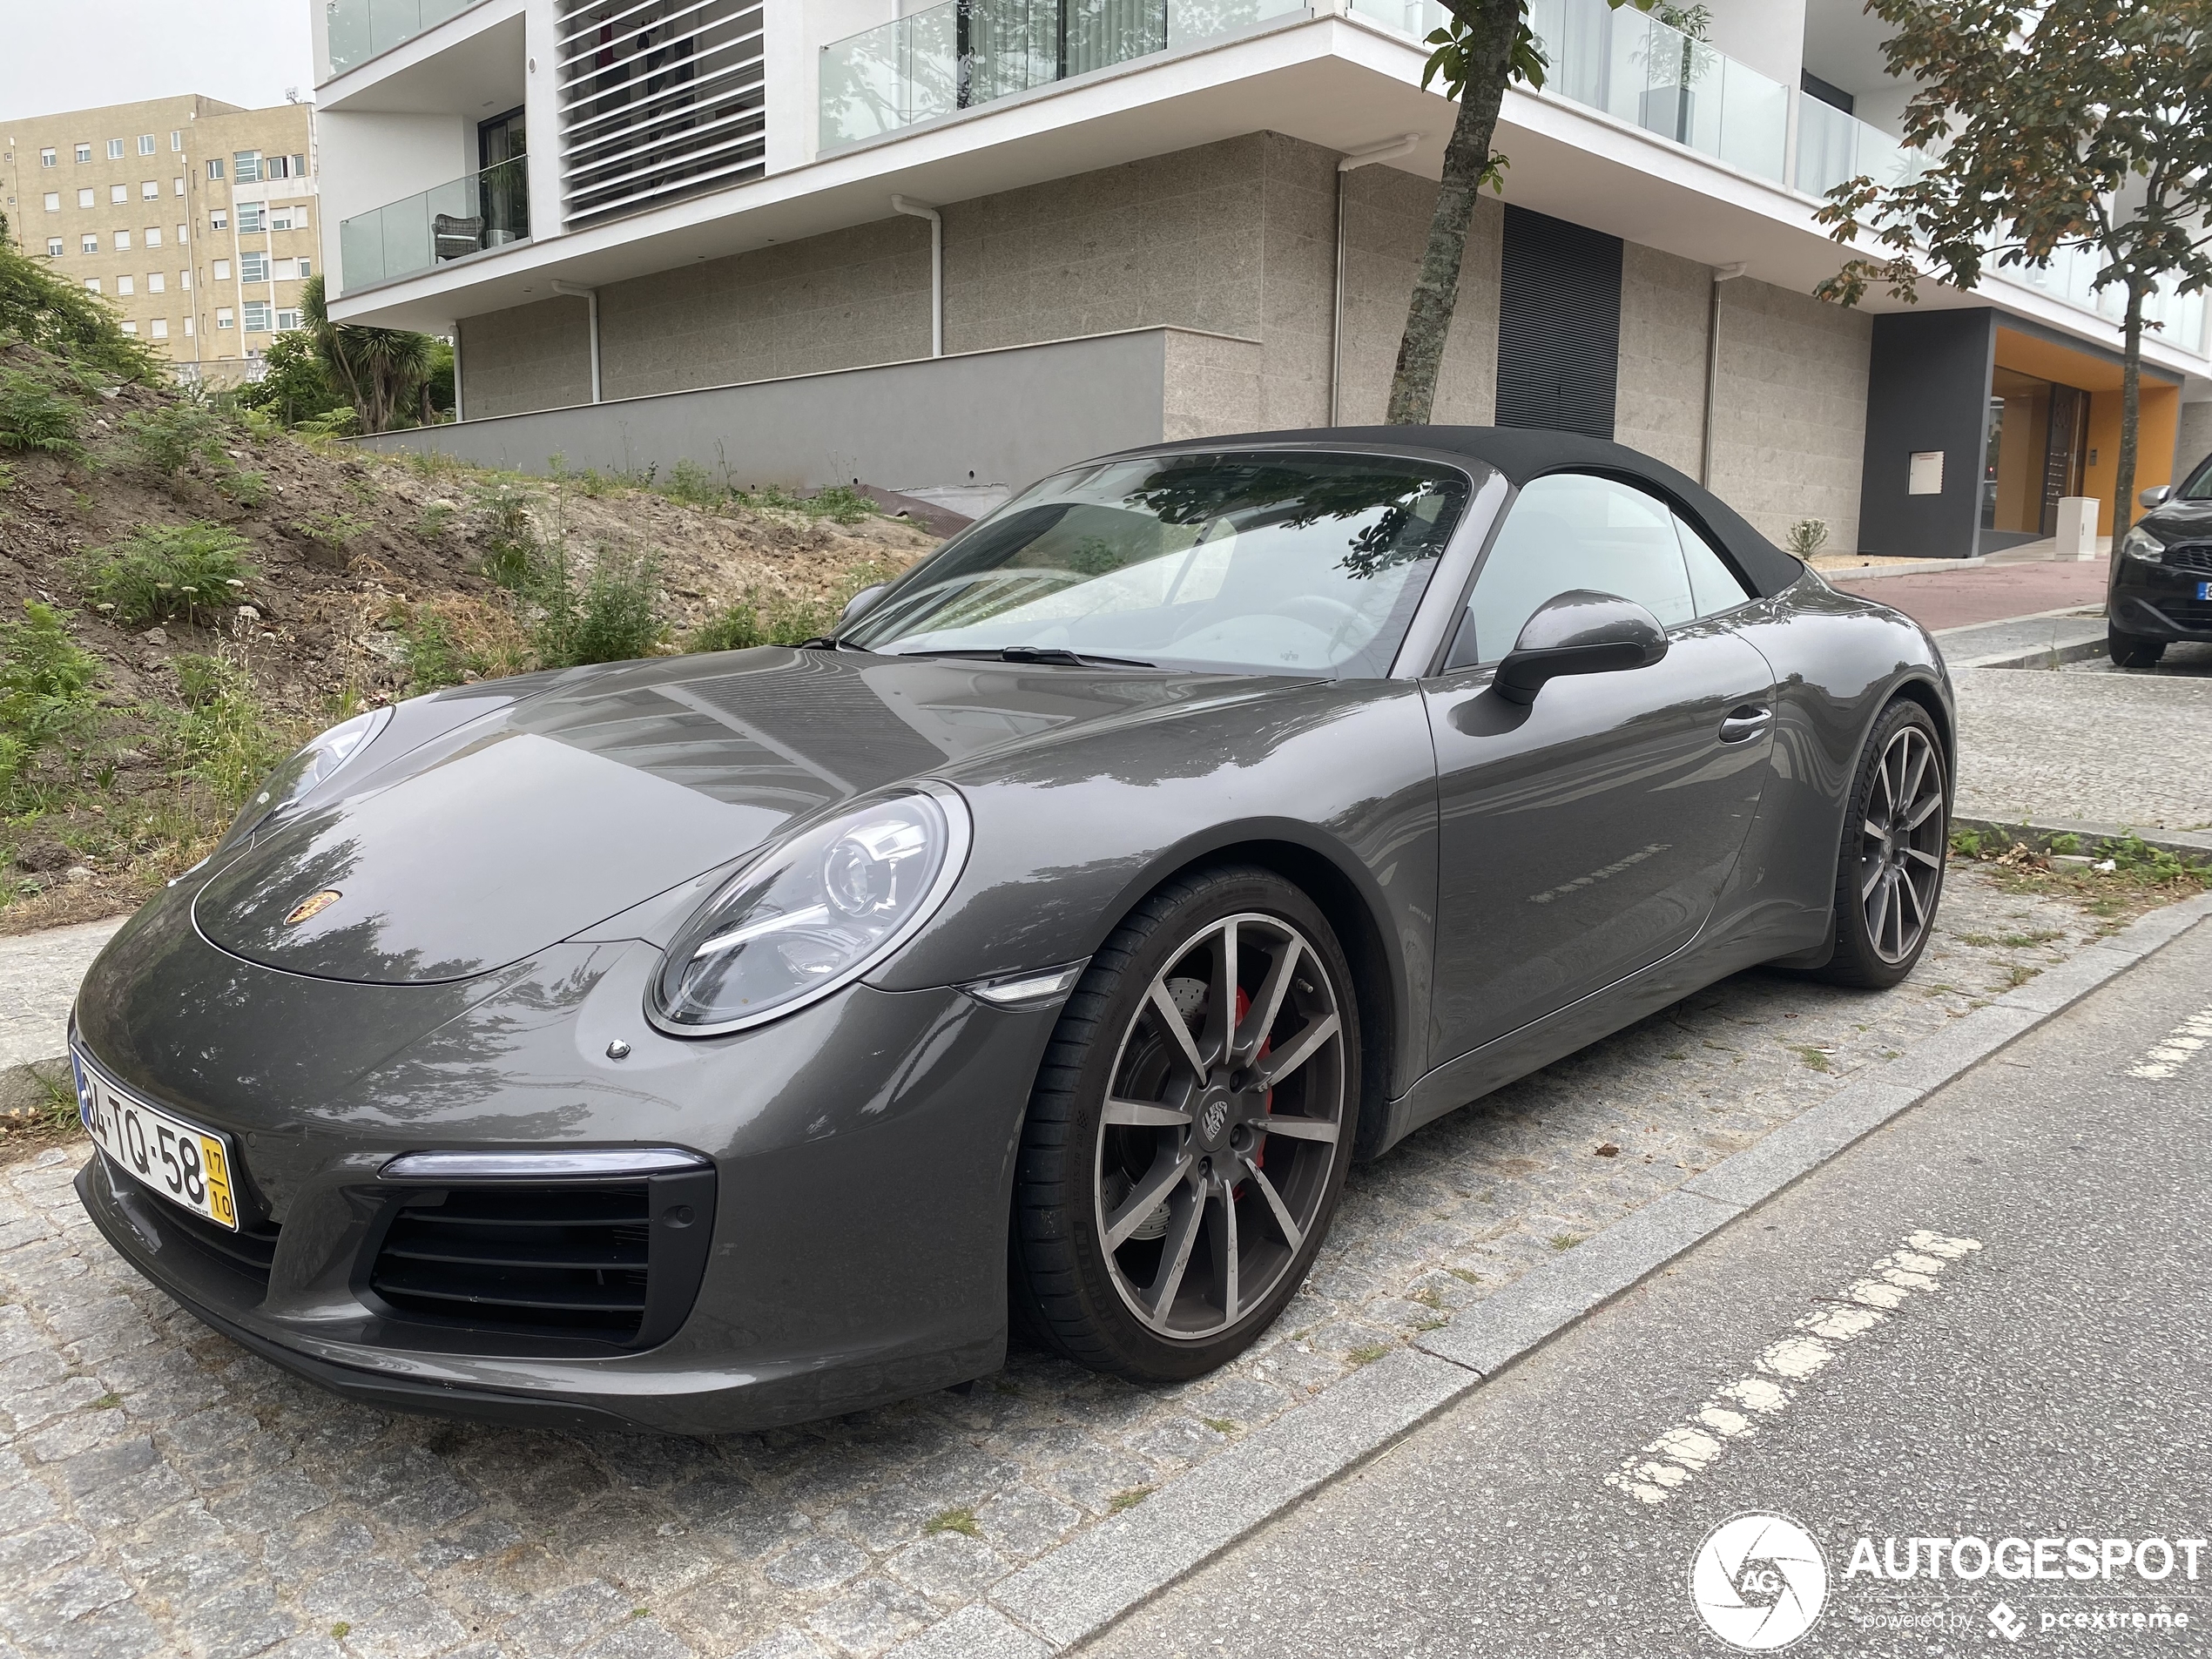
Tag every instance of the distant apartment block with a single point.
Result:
(196, 218)
(948, 245)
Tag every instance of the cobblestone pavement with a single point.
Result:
(38, 977)
(163, 1492)
(2134, 749)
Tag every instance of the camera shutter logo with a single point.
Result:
(1758, 1581)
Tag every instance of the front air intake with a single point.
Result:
(609, 1262)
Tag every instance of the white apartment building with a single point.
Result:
(945, 247)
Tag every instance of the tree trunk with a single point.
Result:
(1428, 317)
(2131, 379)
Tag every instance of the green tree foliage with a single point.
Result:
(1485, 46)
(62, 317)
(612, 615)
(294, 387)
(380, 371)
(2057, 123)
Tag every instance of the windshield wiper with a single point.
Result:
(1059, 655)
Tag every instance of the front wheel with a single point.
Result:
(1896, 838)
(1190, 1130)
(2134, 650)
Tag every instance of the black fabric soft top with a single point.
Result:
(1523, 453)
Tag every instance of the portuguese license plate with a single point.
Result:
(2204, 589)
(190, 1167)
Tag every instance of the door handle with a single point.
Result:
(1746, 722)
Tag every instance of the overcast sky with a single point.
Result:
(58, 55)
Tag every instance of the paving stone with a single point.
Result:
(817, 1563)
(871, 1615)
(566, 1620)
(949, 1567)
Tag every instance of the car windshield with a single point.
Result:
(2199, 486)
(1269, 562)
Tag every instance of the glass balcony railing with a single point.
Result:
(961, 53)
(361, 29)
(1833, 147)
(487, 209)
(2071, 276)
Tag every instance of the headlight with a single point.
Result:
(322, 757)
(812, 914)
(2139, 543)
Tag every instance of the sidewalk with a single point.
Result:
(1989, 592)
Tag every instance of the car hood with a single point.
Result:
(532, 823)
(2176, 521)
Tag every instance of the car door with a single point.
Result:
(1587, 835)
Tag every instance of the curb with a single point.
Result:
(2191, 846)
(2045, 657)
(1078, 1589)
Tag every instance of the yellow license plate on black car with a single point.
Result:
(190, 1167)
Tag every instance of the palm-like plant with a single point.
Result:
(379, 369)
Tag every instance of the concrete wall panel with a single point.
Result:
(987, 418)
(1385, 219)
(2193, 444)
(1660, 394)
(1789, 415)
(532, 357)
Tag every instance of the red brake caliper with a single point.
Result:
(1259, 1153)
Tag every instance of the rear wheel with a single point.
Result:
(1889, 878)
(1190, 1130)
(2134, 650)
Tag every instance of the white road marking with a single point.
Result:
(2176, 1048)
(1669, 1463)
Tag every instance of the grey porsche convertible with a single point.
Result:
(719, 1041)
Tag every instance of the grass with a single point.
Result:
(1816, 1059)
(48, 695)
(224, 738)
(106, 1403)
(959, 1520)
(1465, 1275)
(1129, 1500)
(2141, 878)
(1221, 1425)
(1565, 1241)
(750, 621)
(172, 440)
(1367, 1353)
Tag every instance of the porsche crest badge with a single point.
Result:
(313, 905)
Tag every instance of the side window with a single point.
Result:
(1713, 586)
(1571, 530)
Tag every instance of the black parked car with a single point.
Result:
(719, 1042)
(2161, 585)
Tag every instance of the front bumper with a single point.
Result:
(862, 1152)
(2159, 601)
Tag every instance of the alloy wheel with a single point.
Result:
(1901, 844)
(1221, 1124)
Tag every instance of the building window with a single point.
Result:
(257, 316)
(222, 270)
(219, 220)
(276, 167)
(117, 194)
(223, 317)
(85, 198)
(88, 244)
(53, 201)
(177, 142)
(91, 285)
(47, 158)
(215, 166)
(83, 152)
(156, 281)
(146, 144)
(287, 321)
(53, 247)
(252, 217)
(123, 241)
(184, 281)
(183, 234)
(245, 165)
(159, 328)
(153, 236)
(125, 285)
(150, 191)
(115, 149)
(188, 323)
(180, 184)
(130, 328)
(252, 267)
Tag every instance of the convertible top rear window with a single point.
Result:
(1266, 563)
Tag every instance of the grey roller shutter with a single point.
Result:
(1559, 325)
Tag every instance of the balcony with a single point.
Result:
(360, 30)
(962, 53)
(451, 221)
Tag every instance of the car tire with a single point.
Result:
(2134, 650)
(1890, 868)
(1134, 1156)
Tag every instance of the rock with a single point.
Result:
(43, 856)
(155, 635)
(77, 872)
(249, 613)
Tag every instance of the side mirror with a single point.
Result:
(2157, 495)
(1579, 632)
(860, 603)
